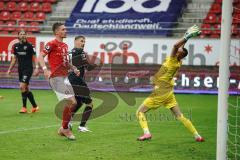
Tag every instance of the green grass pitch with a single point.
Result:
(113, 136)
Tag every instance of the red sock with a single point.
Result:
(66, 116)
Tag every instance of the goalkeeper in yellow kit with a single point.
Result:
(162, 94)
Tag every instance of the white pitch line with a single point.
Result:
(58, 125)
(27, 129)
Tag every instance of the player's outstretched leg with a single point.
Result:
(69, 106)
(143, 123)
(187, 123)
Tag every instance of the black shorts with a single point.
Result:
(80, 88)
(25, 75)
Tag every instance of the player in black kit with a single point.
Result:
(81, 90)
(24, 54)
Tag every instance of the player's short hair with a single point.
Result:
(185, 52)
(22, 31)
(56, 26)
(78, 37)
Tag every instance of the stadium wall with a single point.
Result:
(202, 52)
(144, 57)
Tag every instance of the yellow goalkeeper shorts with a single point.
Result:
(156, 100)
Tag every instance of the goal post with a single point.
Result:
(222, 114)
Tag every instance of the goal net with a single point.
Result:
(233, 142)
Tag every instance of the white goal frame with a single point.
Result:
(224, 80)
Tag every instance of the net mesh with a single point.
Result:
(233, 143)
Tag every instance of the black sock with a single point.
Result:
(31, 99)
(24, 99)
(86, 114)
(79, 104)
(75, 109)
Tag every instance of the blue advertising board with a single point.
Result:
(129, 17)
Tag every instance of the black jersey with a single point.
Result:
(24, 53)
(79, 59)
(81, 90)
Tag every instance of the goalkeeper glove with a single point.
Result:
(192, 32)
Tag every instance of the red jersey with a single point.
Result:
(57, 57)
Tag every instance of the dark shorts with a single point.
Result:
(25, 75)
(80, 88)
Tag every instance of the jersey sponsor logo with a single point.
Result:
(22, 53)
(120, 6)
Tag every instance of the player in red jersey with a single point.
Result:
(57, 52)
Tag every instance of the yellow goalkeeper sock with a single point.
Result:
(188, 124)
(143, 122)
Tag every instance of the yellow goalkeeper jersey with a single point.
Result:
(167, 71)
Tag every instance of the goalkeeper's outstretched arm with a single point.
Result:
(181, 42)
(191, 32)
